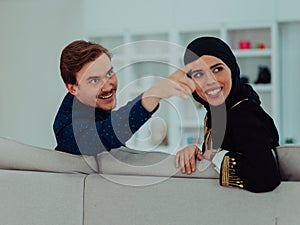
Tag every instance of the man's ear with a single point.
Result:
(72, 88)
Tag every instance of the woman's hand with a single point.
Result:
(210, 154)
(186, 159)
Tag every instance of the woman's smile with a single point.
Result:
(213, 93)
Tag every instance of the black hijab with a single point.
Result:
(216, 47)
(217, 116)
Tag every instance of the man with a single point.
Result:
(85, 123)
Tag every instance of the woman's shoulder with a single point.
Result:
(246, 105)
(248, 111)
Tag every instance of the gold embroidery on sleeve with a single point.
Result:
(229, 176)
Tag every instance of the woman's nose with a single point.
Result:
(210, 78)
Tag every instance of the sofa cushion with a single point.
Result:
(125, 161)
(188, 201)
(18, 156)
(289, 158)
(41, 198)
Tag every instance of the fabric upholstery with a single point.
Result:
(123, 161)
(289, 158)
(188, 201)
(130, 162)
(41, 198)
(18, 156)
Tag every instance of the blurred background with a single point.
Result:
(264, 35)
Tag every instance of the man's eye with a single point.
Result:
(110, 73)
(94, 81)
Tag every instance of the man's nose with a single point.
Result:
(107, 84)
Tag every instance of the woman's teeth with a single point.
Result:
(213, 92)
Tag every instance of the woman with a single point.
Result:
(239, 135)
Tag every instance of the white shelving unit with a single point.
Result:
(250, 59)
(144, 58)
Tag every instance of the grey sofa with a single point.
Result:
(41, 186)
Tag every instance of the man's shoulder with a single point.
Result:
(66, 102)
(68, 98)
(65, 108)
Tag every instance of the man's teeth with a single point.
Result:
(213, 92)
(106, 96)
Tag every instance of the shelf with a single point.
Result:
(150, 36)
(255, 36)
(262, 87)
(252, 53)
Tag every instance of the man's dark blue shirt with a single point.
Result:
(84, 130)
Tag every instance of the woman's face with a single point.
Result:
(212, 78)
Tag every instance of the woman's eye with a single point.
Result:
(217, 69)
(197, 74)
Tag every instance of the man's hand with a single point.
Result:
(176, 84)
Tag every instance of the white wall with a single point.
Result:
(288, 10)
(33, 33)
(104, 16)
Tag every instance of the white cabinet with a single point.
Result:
(254, 48)
(145, 58)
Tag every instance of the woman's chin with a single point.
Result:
(216, 101)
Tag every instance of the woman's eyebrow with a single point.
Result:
(218, 64)
(201, 70)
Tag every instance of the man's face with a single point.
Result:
(97, 84)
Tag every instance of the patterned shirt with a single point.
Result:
(82, 129)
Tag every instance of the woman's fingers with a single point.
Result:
(180, 161)
(186, 159)
(177, 160)
(193, 164)
(199, 156)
